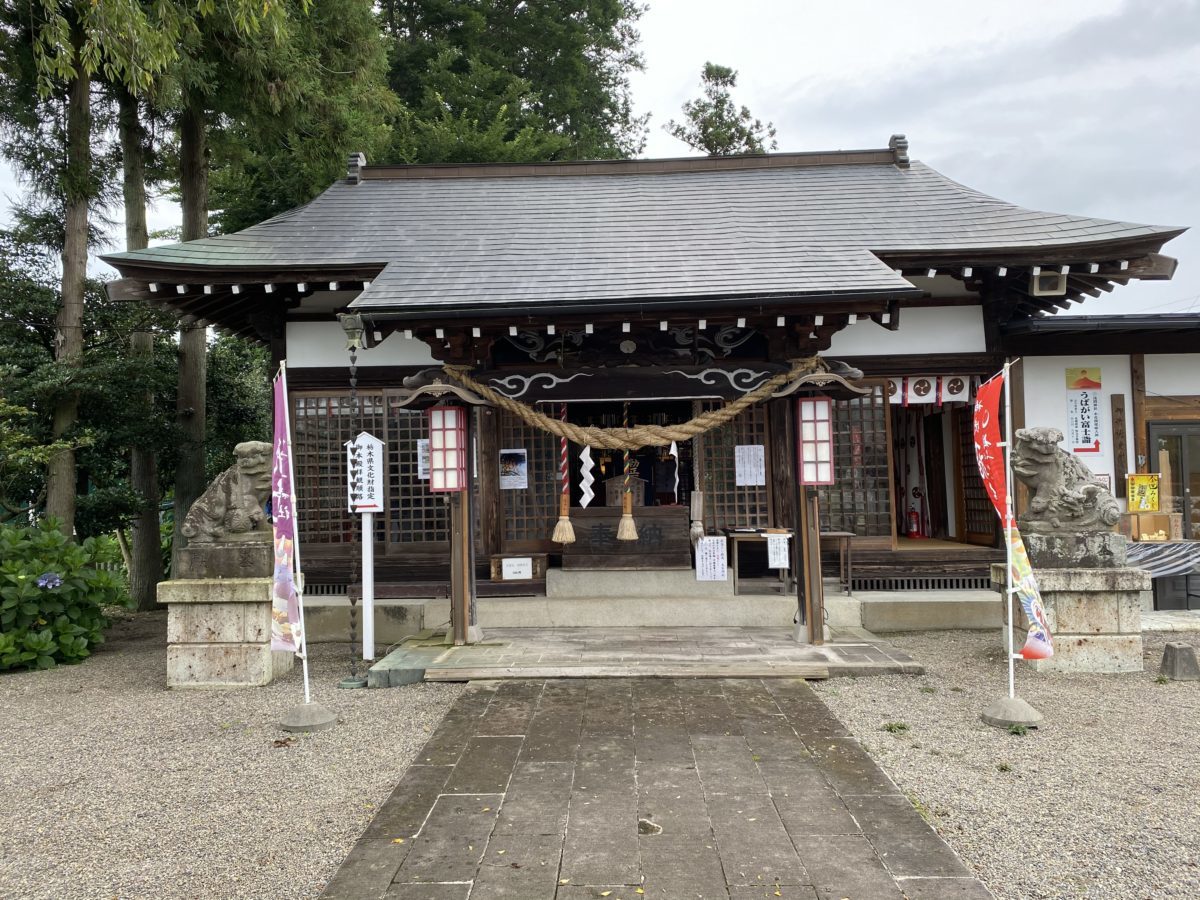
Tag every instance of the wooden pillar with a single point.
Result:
(811, 577)
(464, 627)
(781, 437)
(491, 520)
(1141, 435)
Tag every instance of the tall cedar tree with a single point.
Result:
(718, 126)
(70, 42)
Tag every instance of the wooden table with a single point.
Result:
(845, 556)
(737, 537)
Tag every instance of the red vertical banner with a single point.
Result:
(988, 451)
(990, 454)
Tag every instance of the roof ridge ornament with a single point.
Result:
(355, 163)
(898, 144)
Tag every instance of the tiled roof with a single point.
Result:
(481, 240)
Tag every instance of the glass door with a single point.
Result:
(1175, 454)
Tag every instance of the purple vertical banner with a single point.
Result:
(285, 598)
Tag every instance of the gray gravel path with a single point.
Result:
(113, 786)
(1100, 802)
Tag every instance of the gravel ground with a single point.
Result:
(113, 786)
(1101, 801)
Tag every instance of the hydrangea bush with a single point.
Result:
(52, 592)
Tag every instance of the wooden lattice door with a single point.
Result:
(860, 499)
(726, 504)
(977, 515)
(529, 513)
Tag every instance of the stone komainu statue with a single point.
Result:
(1066, 497)
(233, 503)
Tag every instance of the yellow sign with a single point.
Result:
(1143, 492)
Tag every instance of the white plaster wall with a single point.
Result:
(1046, 400)
(1173, 374)
(316, 344)
(925, 329)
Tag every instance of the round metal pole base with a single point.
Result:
(1009, 711)
(350, 684)
(308, 717)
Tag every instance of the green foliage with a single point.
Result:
(52, 594)
(1018, 730)
(489, 80)
(1003, 767)
(239, 400)
(293, 105)
(1162, 679)
(108, 379)
(895, 727)
(715, 124)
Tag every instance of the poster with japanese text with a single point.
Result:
(1083, 410)
(750, 465)
(712, 563)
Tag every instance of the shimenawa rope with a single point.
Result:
(640, 435)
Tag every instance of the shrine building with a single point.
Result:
(640, 297)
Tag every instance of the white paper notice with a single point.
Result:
(711, 561)
(518, 569)
(777, 551)
(423, 459)
(750, 465)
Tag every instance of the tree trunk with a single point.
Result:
(190, 402)
(144, 559)
(68, 337)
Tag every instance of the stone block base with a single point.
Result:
(219, 633)
(225, 665)
(1095, 617)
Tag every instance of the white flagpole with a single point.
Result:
(302, 650)
(1008, 524)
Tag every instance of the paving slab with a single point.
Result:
(662, 788)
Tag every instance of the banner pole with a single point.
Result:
(1008, 525)
(310, 716)
(302, 650)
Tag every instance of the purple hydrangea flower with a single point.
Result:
(50, 580)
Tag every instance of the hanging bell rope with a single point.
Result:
(626, 529)
(635, 438)
(564, 532)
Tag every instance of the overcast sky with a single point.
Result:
(1075, 106)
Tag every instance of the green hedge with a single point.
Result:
(51, 594)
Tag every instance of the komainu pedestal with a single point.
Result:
(1095, 616)
(219, 609)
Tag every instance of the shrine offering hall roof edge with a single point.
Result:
(447, 240)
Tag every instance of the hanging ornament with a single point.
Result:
(673, 452)
(586, 480)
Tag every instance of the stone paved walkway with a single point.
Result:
(638, 788)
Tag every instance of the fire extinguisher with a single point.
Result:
(914, 523)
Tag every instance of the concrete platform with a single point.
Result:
(659, 611)
(891, 611)
(647, 788)
(626, 652)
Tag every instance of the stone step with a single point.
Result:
(646, 670)
(663, 610)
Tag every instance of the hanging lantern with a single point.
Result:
(816, 440)
(447, 449)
